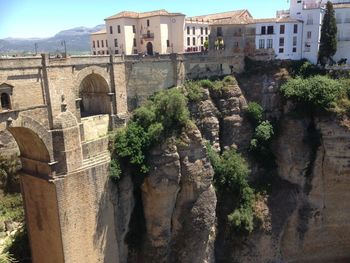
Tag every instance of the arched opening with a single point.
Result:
(5, 101)
(94, 96)
(39, 199)
(149, 48)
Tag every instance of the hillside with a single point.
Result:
(77, 41)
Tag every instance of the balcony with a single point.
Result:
(282, 13)
(148, 36)
(311, 5)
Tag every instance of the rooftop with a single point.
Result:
(223, 15)
(276, 20)
(102, 31)
(130, 14)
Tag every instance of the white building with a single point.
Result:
(197, 28)
(283, 35)
(150, 32)
(196, 33)
(311, 12)
(99, 43)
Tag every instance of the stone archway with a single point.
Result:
(149, 47)
(39, 195)
(94, 93)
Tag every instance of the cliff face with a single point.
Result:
(306, 212)
(179, 203)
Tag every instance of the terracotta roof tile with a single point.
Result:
(102, 31)
(223, 15)
(130, 14)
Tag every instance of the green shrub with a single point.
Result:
(162, 117)
(6, 257)
(206, 83)
(308, 69)
(229, 80)
(254, 112)
(11, 208)
(9, 178)
(115, 170)
(317, 92)
(19, 246)
(194, 91)
(231, 176)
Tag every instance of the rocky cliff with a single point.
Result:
(306, 211)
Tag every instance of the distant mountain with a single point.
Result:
(77, 42)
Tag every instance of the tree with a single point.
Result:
(328, 41)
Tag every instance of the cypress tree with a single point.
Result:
(328, 41)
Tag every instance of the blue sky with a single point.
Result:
(44, 18)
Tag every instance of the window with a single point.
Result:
(299, 1)
(94, 52)
(219, 32)
(295, 41)
(134, 29)
(270, 30)
(310, 20)
(281, 41)
(206, 38)
(295, 29)
(116, 42)
(107, 52)
(111, 30)
(148, 22)
(269, 43)
(134, 42)
(263, 30)
(188, 30)
(118, 29)
(5, 101)
(98, 43)
(261, 43)
(202, 40)
(106, 43)
(193, 30)
(307, 47)
(93, 44)
(308, 34)
(282, 29)
(103, 52)
(116, 51)
(168, 43)
(135, 51)
(294, 49)
(194, 41)
(102, 43)
(201, 30)
(281, 50)
(188, 41)
(206, 31)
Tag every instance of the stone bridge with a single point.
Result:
(59, 112)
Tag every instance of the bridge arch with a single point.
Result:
(94, 92)
(38, 191)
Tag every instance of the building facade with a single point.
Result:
(282, 35)
(196, 33)
(99, 43)
(310, 13)
(149, 33)
(233, 35)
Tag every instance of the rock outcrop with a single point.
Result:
(179, 203)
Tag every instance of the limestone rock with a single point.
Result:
(179, 203)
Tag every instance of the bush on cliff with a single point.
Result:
(316, 93)
(231, 176)
(254, 112)
(165, 115)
